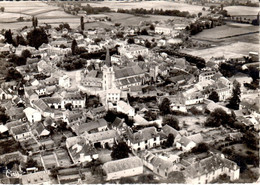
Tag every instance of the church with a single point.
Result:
(122, 78)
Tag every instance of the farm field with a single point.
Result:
(26, 9)
(228, 30)
(242, 10)
(236, 50)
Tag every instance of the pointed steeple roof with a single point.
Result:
(108, 59)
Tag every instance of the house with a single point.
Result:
(206, 170)
(143, 139)
(65, 81)
(196, 138)
(185, 144)
(207, 75)
(80, 151)
(193, 97)
(53, 102)
(177, 102)
(92, 126)
(43, 108)
(16, 113)
(126, 167)
(165, 30)
(40, 130)
(119, 125)
(75, 98)
(91, 82)
(98, 112)
(38, 178)
(32, 115)
(242, 79)
(125, 108)
(156, 164)
(21, 132)
(113, 95)
(101, 139)
(4, 95)
(133, 50)
(166, 129)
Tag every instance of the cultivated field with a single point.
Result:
(235, 50)
(242, 10)
(228, 30)
(26, 9)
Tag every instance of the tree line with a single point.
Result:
(152, 11)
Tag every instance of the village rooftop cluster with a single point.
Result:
(124, 105)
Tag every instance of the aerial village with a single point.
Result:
(118, 106)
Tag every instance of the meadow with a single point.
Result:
(234, 50)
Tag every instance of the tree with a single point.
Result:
(253, 73)
(130, 41)
(120, 151)
(171, 121)
(221, 7)
(251, 140)
(26, 53)
(148, 44)
(200, 148)
(234, 101)
(150, 116)
(37, 37)
(74, 46)
(9, 37)
(219, 117)
(2, 9)
(3, 118)
(214, 96)
(140, 58)
(13, 74)
(82, 23)
(68, 106)
(169, 141)
(144, 32)
(165, 106)
(152, 27)
(203, 8)
(199, 14)
(20, 40)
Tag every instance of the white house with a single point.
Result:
(185, 144)
(101, 139)
(143, 139)
(75, 98)
(126, 167)
(21, 132)
(4, 95)
(79, 150)
(209, 169)
(156, 164)
(207, 75)
(32, 115)
(125, 108)
(64, 81)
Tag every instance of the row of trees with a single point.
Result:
(155, 12)
(35, 38)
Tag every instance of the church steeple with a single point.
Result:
(108, 59)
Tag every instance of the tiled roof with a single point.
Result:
(128, 72)
(208, 165)
(51, 100)
(86, 127)
(20, 129)
(143, 135)
(169, 130)
(122, 164)
(100, 136)
(196, 138)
